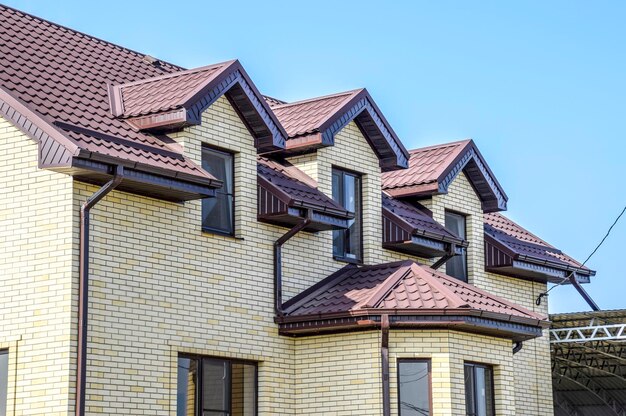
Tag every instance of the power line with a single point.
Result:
(566, 278)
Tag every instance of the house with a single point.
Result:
(174, 242)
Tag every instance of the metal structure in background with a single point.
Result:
(589, 363)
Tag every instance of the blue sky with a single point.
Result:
(540, 86)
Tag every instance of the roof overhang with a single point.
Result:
(471, 321)
(471, 162)
(361, 109)
(60, 153)
(231, 81)
(501, 259)
(399, 235)
(276, 207)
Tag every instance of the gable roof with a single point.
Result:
(178, 99)
(286, 193)
(401, 288)
(53, 86)
(313, 123)
(432, 170)
(511, 249)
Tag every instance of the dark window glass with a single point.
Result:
(218, 387)
(217, 212)
(457, 265)
(414, 387)
(479, 395)
(347, 192)
(4, 380)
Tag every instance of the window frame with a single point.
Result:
(464, 237)
(199, 385)
(5, 393)
(428, 362)
(344, 171)
(211, 230)
(475, 365)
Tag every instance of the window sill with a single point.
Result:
(209, 231)
(348, 260)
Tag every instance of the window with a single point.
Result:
(347, 192)
(217, 212)
(479, 390)
(4, 380)
(216, 387)
(457, 265)
(414, 387)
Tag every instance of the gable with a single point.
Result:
(433, 169)
(314, 123)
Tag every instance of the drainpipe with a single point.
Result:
(517, 347)
(83, 293)
(384, 358)
(278, 262)
(583, 292)
(451, 252)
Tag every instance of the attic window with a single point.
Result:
(347, 244)
(457, 265)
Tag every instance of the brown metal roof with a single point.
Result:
(163, 93)
(400, 288)
(312, 123)
(432, 169)
(54, 85)
(61, 76)
(507, 241)
(300, 188)
(419, 219)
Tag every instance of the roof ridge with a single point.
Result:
(92, 37)
(388, 284)
(323, 97)
(432, 279)
(436, 146)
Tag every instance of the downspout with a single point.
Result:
(517, 347)
(451, 252)
(583, 292)
(278, 262)
(83, 291)
(384, 363)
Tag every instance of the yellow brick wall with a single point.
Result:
(533, 382)
(36, 237)
(161, 286)
(448, 350)
(338, 375)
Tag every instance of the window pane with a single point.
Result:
(217, 212)
(347, 192)
(215, 385)
(4, 381)
(187, 387)
(414, 388)
(243, 393)
(470, 406)
(479, 398)
(457, 266)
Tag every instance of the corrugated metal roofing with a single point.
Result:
(426, 165)
(402, 285)
(523, 242)
(62, 75)
(296, 184)
(305, 117)
(165, 92)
